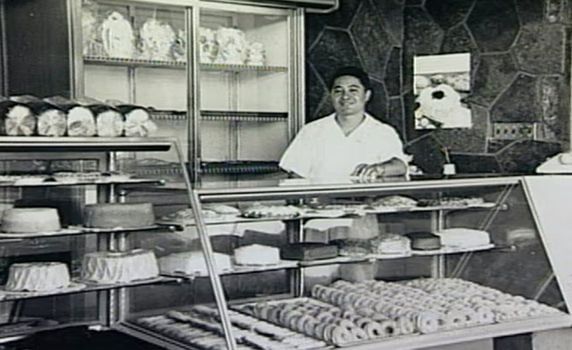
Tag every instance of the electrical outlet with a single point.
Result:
(515, 131)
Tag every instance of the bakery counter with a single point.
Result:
(420, 235)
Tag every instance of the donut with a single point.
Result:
(319, 330)
(362, 321)
(484, 315)
(341, 336)
(310, 326)
(427, 322)
(374, 330)
(328, 333)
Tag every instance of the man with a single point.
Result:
(348, 142)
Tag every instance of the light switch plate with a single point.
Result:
(515, 131)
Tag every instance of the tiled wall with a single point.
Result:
(520, 72)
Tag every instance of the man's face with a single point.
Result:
(349, 96)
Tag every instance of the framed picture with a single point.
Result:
(440, 83)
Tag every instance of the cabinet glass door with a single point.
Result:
(245, 98)
(136, 54)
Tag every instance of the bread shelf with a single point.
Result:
(83, 144)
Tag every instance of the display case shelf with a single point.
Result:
(237, 269)
(83, 144)
(72, 231)
(221, 67)
(239, 167)
(218, 67)
(133, 62)
(86, 287)
(238, 116)
(48, 181)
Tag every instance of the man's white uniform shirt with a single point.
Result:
(322, 150)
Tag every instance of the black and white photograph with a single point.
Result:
(285, 174)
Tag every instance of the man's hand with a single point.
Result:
(368, 172)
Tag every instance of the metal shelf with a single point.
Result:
(244, 116)
(133, 62)
(239, 167)
(72, 231)
(48, 181)
(219, 67)
(306, 188)
(88, 288)
(238, 116)
(83, 144)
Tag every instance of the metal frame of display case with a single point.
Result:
(533, 189)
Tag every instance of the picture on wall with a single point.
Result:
(440, 84)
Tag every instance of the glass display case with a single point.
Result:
(222, 78)
(47, 186)
(394, 265)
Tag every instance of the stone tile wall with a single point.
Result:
(520, 72)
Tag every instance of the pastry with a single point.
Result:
(119, 267)
(30, 220)
(119, 215)
(37, 277)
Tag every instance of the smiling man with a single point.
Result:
(349, 142)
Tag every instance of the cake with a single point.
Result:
(256, 254)
(394, 202)
(37, 277)
(463, 237)
(391, 243)
(119, 267)
(192, 263)
(424, 240)
(119, 215)
(271, 211)
(30, 220)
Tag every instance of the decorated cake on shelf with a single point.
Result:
(463, 237)
(37, 277)
(192, 263)
(119, 267)
(30, 220)
(256, 255)
(119, 215)
(391, 243)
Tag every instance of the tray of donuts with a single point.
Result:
(332, 324)
(431, 305)
(200, 326)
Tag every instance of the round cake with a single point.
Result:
(30, 220)
(191, 263)
(119, 267)
(37, 277)
(256, 254)
(119, 215)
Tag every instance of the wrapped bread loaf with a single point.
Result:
(51, 120)
(138, 121)
(109, 121)
(80, 121)
(16, 119)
